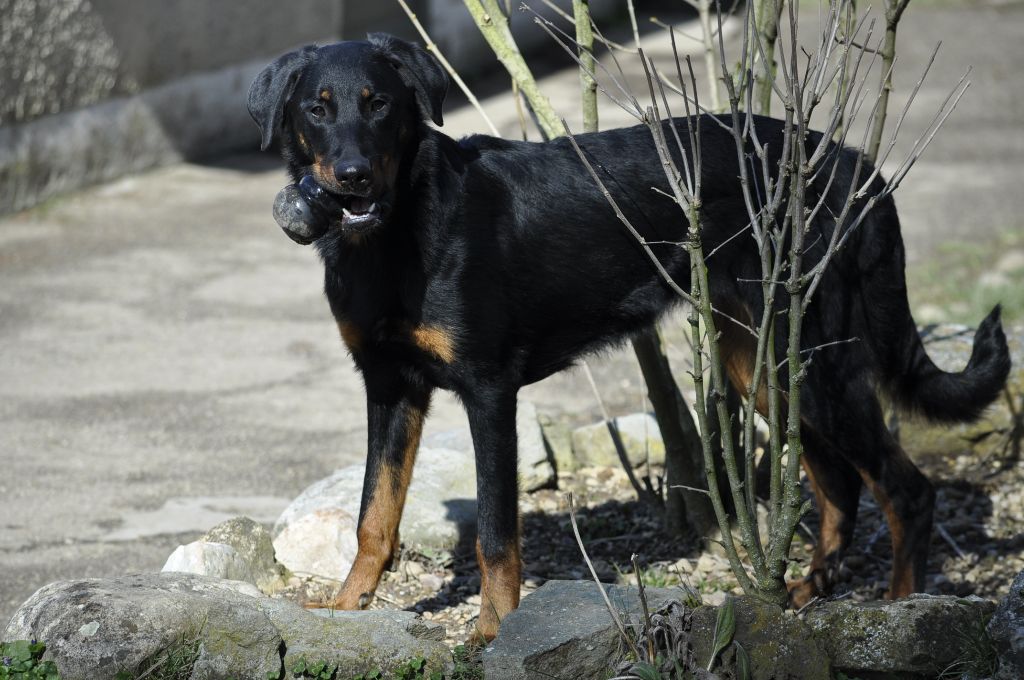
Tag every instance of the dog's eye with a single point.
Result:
(378, 104)
(318, 111)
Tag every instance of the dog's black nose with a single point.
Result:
(353, 175)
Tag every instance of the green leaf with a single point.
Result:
(300, 666)
(645, 671)
(375, 674)
(273, 675)
(725, 628)
(742, 663)
(316, 668)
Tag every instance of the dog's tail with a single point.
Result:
(907, 372)
(954, 397)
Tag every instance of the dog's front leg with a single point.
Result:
(395, 413)
(492, 421)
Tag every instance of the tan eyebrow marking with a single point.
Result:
(325, 95)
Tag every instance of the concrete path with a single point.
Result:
(167, 358)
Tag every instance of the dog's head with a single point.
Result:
(345, 114)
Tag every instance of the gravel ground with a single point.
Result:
(977, 549)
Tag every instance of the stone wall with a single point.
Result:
(91, 90)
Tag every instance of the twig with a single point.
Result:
(593, 572)
(949, 539)
(432, 46)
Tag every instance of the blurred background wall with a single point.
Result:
(93, 89)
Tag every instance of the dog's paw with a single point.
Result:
(802, 592)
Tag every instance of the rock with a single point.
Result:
(316, 534)
(779, 645)
(558, 441)
(321, 542)
(592, 445)
(563, 630)
(209, 559)
(949, 346)
(536, 464)
(253, 544)
(96, 628)
(359, 642)
(921, 634)
(239, 549)
(1006, 629)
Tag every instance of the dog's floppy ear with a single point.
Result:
(272, 88)
(418, 69)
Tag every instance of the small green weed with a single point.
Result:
(318, 670)
(23, 660)
(468, 665)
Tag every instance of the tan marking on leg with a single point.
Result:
(500, 580)
(436, 341)
(378, 532)
(816, 584)
(901, 583)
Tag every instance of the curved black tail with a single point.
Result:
(905, 370)
(955, 397)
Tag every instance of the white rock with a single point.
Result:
(536, 466)
(592, 445)
(321, 542)
(210, 559)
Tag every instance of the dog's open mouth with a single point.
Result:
(359, 212)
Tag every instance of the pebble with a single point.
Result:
(431, 582)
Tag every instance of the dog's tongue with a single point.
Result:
(361, 205)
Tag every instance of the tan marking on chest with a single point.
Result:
(436, 341)
(351, 336)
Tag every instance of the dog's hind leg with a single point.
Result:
(837, 486)
(395, 413)
(492, 421)
(904, 494)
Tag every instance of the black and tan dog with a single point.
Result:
(482, 265)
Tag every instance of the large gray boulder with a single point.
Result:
(214, 628)
(1006, 629)
(563, 630)
(97, 628)
(778, 644)
(920, 634)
